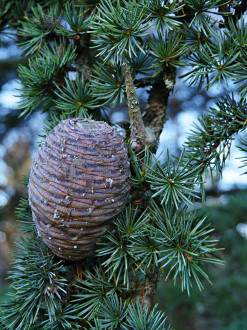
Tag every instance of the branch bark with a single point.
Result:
(155, 114)
(147, 291)
(82, 61)
(138, 134)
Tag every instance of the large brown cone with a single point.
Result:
(79, 181)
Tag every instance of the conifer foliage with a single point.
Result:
(76, 51)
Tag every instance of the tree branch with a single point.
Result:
(155, 115)
(82, 60)
(138, 134)
(147, 291)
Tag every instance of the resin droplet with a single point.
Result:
(68, 200)
(110, 181)
(56, 215)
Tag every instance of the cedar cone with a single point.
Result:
(79, 181)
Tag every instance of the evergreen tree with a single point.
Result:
(84, 58)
